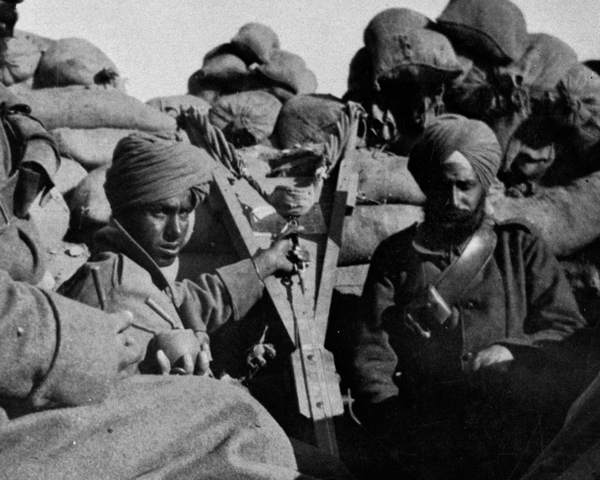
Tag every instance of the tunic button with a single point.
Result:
(467, 356)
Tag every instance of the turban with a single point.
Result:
(452, 133)
(147, 168)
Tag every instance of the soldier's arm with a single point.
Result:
(55, 351)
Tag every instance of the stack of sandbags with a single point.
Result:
(78, 94)
(399, 76)
(87, 122)
(565, 216)
(561, 140)
(491, 34)
(247, 80)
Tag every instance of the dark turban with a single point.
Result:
(452, 133)
(147, 168)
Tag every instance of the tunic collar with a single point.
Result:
(114, 238)
(422, 240)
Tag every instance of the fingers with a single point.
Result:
(204, 359)
(260, 360)
(188, 364)
(163, 362)
(205, 349)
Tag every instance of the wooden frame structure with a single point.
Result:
(302, 306)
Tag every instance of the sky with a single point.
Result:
(158, 44)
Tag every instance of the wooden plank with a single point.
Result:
(246, 246)
(345, 184)
(316, 381)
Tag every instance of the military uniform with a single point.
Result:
(520, 299)
(129, 277)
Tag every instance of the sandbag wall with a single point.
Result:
(78, 94)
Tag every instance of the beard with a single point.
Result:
(451, 226)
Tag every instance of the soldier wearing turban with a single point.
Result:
(456, 309)
(153, 187)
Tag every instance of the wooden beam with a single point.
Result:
(316, 381)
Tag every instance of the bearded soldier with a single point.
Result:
(455, 309)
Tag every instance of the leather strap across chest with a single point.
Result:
(455, 280)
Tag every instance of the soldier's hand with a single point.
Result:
(183, 352)
(282, 257)
(495, 358)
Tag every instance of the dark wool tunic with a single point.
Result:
(520, 300)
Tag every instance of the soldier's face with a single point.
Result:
(456, 197)
(161, 228)
(456, 187)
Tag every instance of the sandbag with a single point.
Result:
(43, 43)
(91, 148)
(545, 62)
(246, 118)
(50, 214)
(368, 226)
(94, 107)
(392, 21)
(401, 49)
(172, 105)
(75, 61)
(545, 152)
(256, 42)
(21, 88)
(308, 119)
(360, 75)
(384, 178)
(68, 175)
(566, 216)
(88, 204)
(18, 60)
(289, 71)
(572, 114)
(494, 30)
(223, 72)
(223, 63)
(490, 95)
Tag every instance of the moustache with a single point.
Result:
(451, 214)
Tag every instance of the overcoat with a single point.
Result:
(520, 299)
(69, 408)
(129, 277)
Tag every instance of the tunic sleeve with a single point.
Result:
(227, 295)
(55, 351)
(373, 360)
(552, 313)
